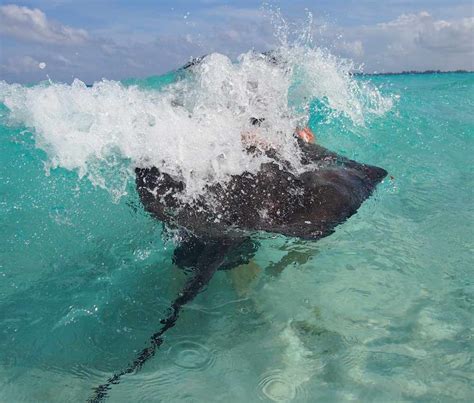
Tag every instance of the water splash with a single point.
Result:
(192, 355)
(192, 128)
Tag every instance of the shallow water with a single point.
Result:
(382, 310)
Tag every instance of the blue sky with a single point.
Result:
(116, 39)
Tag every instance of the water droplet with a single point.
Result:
(276, 387)
(191, 355)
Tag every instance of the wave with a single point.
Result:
(191, 128)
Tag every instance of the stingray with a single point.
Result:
(216, 228)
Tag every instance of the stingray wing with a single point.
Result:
(275, 199)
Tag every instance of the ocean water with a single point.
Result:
(382, 310)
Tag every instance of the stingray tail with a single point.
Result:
(208, 261)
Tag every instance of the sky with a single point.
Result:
(118, 39)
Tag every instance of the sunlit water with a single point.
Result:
(382, 310)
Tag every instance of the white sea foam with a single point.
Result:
(192, 128)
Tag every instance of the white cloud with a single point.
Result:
(33, 25)
(23, 64)
(409, 42)
(353, 49)
(424, 31)
(413, 42)
(452, 37)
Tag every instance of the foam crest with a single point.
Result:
(192, 129)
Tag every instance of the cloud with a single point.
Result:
(33, 25)
(352, 49)
(149, 45)
(412, 42)
(23, 64)
(424, 31)
(451, 37)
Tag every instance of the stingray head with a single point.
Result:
(329, 195)
(307, 205)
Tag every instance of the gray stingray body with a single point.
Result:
(218, 225)
(308, 205)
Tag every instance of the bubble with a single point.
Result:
(190, 354)
(105, 130)
(276, 387)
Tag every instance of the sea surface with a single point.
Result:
(380, 311)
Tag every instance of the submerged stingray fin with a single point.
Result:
(207, 260)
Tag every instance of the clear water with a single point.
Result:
(382, 310)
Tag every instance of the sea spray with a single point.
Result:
(391, 290)
(192, 128)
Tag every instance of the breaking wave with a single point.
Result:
(193, 127)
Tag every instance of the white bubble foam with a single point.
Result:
(193, 128)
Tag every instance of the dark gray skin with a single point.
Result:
(307, 206)
(216, 228)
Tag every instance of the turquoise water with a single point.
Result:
(382, 310)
